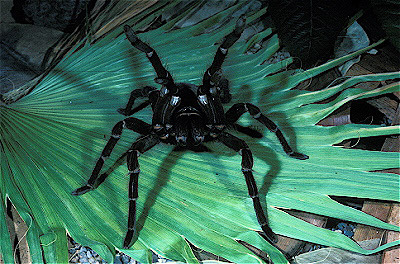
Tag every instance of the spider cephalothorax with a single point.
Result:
(186, 115)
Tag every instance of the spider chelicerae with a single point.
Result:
(186, 115)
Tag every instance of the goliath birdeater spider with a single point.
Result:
(186, 115)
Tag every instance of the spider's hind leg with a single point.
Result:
(233, 114)
(243, 149)
(248, 131)
(142, 145)
(131, 123)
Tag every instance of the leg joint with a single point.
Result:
(274, 129)
(246, 148)
(223, 50)
(137, 170)
(256, 116)
(117, 129)
(134, 150)
(253, 110)
(149, 54)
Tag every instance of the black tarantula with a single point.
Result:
(186, 115)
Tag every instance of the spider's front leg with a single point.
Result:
(247, 164)
(140, 146)
(225, 93)
(211, 96)
(220, 56)
(137, 93)
(131, 123)
(237, 110)
(163, 76)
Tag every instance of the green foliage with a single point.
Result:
(51, 138)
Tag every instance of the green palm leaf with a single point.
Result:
(51, 138)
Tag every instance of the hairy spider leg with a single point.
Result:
(137, 93)
(237, 110)
(139, 147)
(163, 76)
(121, 160)
(221, 53)
(247, 130)
(243, 149)
(131, 123)
(225, 94)
(209, 97)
